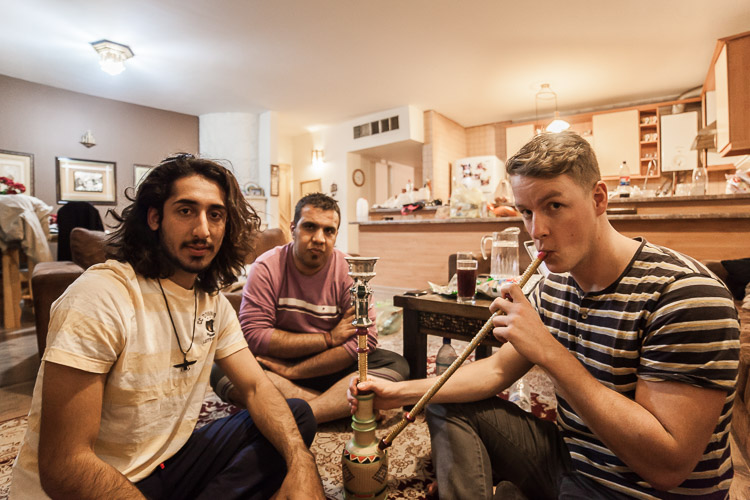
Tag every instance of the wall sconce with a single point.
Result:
(317, 157)
(88, 140)
(112, 56)
(547, 94)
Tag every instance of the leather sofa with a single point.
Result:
(87, 247)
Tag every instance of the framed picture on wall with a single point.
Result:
(274, 180)
(139, 173)
(86, 180)
(307, 187)
(18, 167)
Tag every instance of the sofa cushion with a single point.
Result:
(87, 247)
(265, 241)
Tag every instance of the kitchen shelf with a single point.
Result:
(648, 150)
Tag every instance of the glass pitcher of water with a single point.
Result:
(504, 263)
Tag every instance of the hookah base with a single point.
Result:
(365, 475)
(349, 495)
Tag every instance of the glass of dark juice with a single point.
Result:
(466, 277)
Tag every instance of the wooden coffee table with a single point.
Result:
(435, 315)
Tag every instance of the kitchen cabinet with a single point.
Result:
(677, 134)
(633, 134)
(617, 139)
(729, 76)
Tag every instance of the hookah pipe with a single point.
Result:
(410, 416)
(364, 465)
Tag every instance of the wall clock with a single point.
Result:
(358, 176)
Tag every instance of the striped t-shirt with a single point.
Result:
(666, 318)
(113, 321)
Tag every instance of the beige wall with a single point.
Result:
(445, 141)
(480, 140)
(49, 122)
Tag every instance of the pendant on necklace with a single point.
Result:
(185, 365)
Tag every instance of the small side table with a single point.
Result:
(434, 315)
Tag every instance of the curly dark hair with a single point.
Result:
(133, 241)
(317, 200)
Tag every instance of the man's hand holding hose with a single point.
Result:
(519, 323)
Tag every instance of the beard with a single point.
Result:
(193, 266)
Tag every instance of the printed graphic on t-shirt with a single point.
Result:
(208, 318)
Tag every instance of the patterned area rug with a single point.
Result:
(410, 467)
(11, 436)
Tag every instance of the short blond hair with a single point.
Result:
(551, 154)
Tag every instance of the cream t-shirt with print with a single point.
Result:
(112, 321)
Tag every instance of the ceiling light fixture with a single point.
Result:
(547, 94)
(112, 56)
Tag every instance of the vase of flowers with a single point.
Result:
(8, 186)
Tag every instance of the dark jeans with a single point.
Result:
(478, 445)
(226, 459)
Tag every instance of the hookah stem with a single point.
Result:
(410, 416)
(362, 351)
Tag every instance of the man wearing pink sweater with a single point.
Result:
(297, 317)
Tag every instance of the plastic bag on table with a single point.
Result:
(389, 318)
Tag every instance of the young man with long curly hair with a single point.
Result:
(129, 354)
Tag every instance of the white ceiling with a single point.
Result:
(319, 62)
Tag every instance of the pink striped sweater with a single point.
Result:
(277, 295)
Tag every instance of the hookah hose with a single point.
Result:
(410, 416)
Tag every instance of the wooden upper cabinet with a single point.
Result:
(617, 139)
(729, 75)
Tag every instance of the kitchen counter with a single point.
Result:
(666, 199)
(611, 216)
(676, 205)
(415, 250)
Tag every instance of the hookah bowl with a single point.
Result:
(363, 463)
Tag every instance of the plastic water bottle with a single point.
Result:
(623, 189)
(445, 356)
(700, 181)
